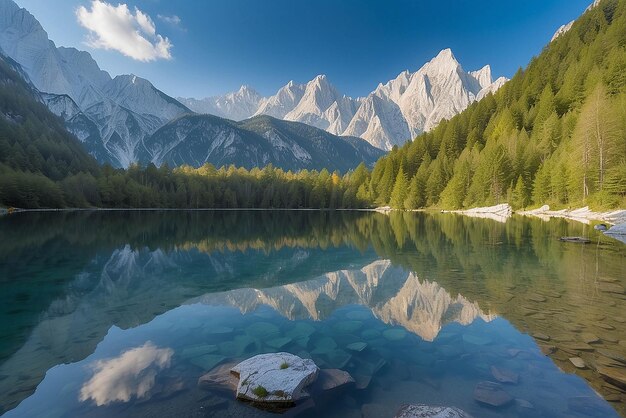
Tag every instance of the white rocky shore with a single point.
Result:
(617, 218)
(584, 215)
(501, 213)
(498, 213)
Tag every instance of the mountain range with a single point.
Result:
(393, 113)
(125, 119)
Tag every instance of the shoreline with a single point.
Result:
(583, 215)
(497, 212)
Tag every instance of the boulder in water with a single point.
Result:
(274, 378)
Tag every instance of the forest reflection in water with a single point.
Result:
(68, 277)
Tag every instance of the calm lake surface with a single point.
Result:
(119, 313)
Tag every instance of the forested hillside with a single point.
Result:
(40, 162)
(44, 166)
(555, 133)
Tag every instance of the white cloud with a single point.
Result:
(172, 20)
(133, 373)
(119, 29)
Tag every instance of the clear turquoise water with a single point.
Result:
(119, 313)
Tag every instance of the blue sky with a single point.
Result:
(212, 47)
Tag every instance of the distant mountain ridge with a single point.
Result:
(255, 142)
(393, 113)
(123, 120)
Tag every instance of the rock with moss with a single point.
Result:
(278, 378)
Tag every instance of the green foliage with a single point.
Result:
(400, 190)
(260, 391)
(556, 132)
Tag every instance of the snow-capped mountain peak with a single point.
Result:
(483, 76)
(444, 63)
(393, 113)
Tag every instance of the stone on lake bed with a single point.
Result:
(575, 346)
(274, 378)
(239, 345)
(347, 327)
(219, 378)
(604, 326)
(547, 349)
(504, 376)
(207, 361)
(362, 381)
(324, 345)
(394, 334)
(337, 358)
(589, 338)
(613, 355)
(262, 330)
(358, 346)
(279, 342)
(536, 298)
(428, 411)
(578, 362)
(329, 379)
(197, 350)
(492, 394)
(523, 404)
(300, 330)
(613, 375)
(541, 336)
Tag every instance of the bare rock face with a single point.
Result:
(274, 378)
(427, 411)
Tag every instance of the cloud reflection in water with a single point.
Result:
(132, 373)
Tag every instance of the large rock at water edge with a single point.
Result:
(274, 378)
(427, 411)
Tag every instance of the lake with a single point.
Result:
(120, 313)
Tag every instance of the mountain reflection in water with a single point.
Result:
(68, 278)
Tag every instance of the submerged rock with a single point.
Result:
(358, 346)
(219, 379)
(578, 240)
(504, 376)
(578, 362)
(330, 379)
(427, 411)
(274, 378)
(492, 394)
(613, 375)
(589, 338)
